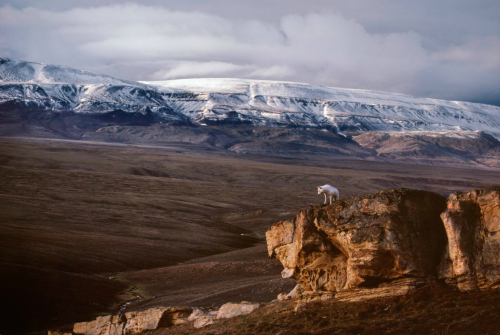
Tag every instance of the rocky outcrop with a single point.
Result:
(365, 247)
(103, 325)
(230, 310)
(472, 223)
(134, 322)
(390, 243)
(368, 246)
(154, 318)
(138, 322)
(201, 318)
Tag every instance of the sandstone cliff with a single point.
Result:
(390, 242)
(472, 223)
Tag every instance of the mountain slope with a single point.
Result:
(258, 102)
(19, 71)
(272, 118)
(349, 110)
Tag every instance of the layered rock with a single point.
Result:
(134, 322)
(103, 325)
(472, 222)
(374, 245)
(138, 322)
(154, 318)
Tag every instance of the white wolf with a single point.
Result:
(329, 191)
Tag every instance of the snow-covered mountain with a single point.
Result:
(19, 71)
(258, 102)
(349, 110)
(281, 118)
(34, 86)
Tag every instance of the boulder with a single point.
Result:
(231, 310)
(58, 333)
(103, 325)
(472, 223)
(150, 319)
(202, 318)
(362, 244)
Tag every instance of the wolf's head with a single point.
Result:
(320, 190)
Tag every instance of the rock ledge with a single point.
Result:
(391, 243)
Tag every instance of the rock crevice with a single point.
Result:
(472, 258)
(390, 242)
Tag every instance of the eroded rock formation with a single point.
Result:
(154, 318)
(363, 245)
(134, 322)
(391, 242)
(472, 222)
(103, 325)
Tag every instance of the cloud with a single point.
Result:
(218, 69)
(142, 42)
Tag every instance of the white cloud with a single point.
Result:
(219, 69)
(151, 43)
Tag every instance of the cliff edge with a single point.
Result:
(390, 243)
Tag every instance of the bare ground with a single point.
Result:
(434, 310)
(176, 224)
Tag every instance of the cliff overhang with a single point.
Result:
(390, 243)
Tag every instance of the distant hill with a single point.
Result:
(49, 100)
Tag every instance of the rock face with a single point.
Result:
(374, 245)
(138, 322)
(103, 325)
(134, 322)
(472, 222)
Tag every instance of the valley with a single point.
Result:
(256, 117)
(86, 226)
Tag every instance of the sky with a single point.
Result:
(446, 49)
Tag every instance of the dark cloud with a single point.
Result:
(446, 49)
